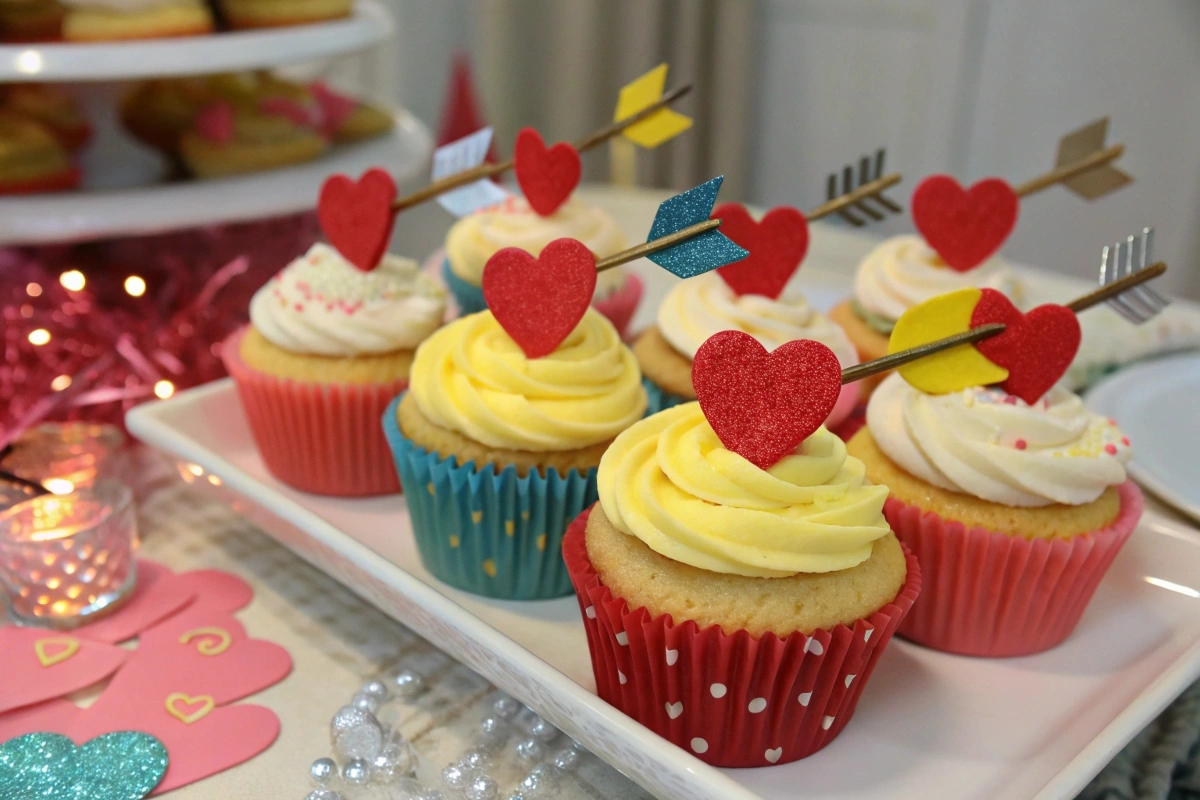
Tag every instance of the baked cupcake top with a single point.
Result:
(476, 238)
(321, 304)
(471, 377)
(987, 443)
(903, 271)
(670, 482)
(119, 5)
(699, 307)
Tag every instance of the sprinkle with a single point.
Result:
(1125, 441)
(1020, 444)
(1010, 400)
(1111, 449)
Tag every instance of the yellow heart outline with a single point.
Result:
(187, 719)
(70, 648)
(206, 646)
(951, 370)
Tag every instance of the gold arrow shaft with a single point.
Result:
(1056, 176)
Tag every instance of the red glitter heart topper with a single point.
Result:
(777, 246)
(539, 301)
(1036, 347)
(357, 216)
(964, 226)
(763, 405)
(546, 175)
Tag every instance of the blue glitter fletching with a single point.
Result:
(701, 253)
(115, 766)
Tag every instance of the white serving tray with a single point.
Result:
(369, 25)
(89, 215)
(928, 725)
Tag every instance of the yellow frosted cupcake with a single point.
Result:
(733, 610)
(328, 348)
(498, 451)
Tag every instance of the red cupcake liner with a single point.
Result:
(992, 594)
(621, 305)
(731, 700)
(852, 424)
(320, 438)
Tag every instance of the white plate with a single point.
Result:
(196, 55)
(929, 724)
(1156, 404)
(77, 216)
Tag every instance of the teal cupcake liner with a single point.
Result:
(486, 532)
(660, 399)
(469, 297)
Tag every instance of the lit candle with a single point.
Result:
(66, 559)
(63, 456)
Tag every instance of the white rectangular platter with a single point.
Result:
(928, 724)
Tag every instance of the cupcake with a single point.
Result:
(112, 20)
(475, 238)
(498, 451)
(31, 20)
(1014, 509)
(898, 274)
(280, 13)
(228, 138)
(157, 112)
(32, 159)
(734, 610)
(327, 349)
(50, 106)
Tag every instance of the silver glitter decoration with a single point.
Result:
(493, 732)
(516, 796)
(475, 759)
(366, 702)
(433, 794)
(322, 770)
(376, 689)
(408, 789)
(397, 760)
(701, 253)
(455, 777)
(356, 772)
(566, 759)
(348, 717)
(364, 741)
(529, 750)
(408, 683)
(323, 794)
(543, 731)
(505, 707)
(483, 788)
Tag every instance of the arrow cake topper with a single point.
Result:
(763, 405)
(967, 226)
(539, 300)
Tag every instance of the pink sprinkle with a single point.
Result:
(1112, 421)
(329, 306)
(1125, 441)
(1111, 449)
(1010, 400)
(299, 307)
(1020, 444)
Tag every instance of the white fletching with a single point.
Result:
(463, 154)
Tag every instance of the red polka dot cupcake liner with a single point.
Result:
(731, 700)
(322, 438)
(993, 594)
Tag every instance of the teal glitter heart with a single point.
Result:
(115, 766)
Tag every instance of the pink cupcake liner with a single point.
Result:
(621, 305)
(731, 700)
(851, 424)
(991, 594)
(319, 438)
(847, 399)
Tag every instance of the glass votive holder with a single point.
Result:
(68, 559)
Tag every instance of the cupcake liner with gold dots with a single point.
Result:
(488, 531)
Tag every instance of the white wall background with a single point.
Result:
(972, 87)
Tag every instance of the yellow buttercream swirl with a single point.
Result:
(471, 377)
(670, 482)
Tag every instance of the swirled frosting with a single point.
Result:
(987, 443)
(321, 304)
(904, 271)
(471, 377)
(670, 482)
(475, 238)
(699, 307)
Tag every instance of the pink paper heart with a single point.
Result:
(158, 594)
(52, 716)
(37, 665)
(216, 589)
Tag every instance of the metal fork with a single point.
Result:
(1140, 303)
(867, 172)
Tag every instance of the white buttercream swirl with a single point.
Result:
(321, 304)
(699, 307)
(987, 443)
(903, 271)
(475, 238)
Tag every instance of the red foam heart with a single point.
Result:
(547, 176)
(539, 301)
(357, 216)
(763, 405)
(777, 245)
(964, 226)
(1036, 348)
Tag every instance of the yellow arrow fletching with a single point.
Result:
(952, 370)
(658, 127)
